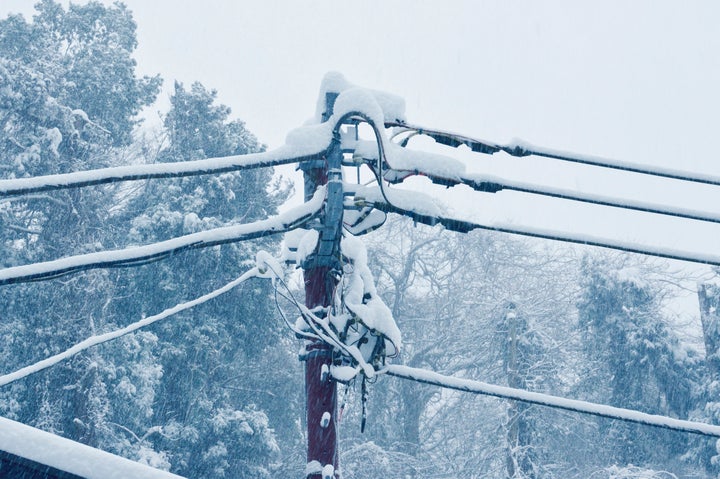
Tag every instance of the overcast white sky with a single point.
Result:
(635, 81)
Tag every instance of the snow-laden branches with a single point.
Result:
(103, 338)
(143, 254)
(574, 405)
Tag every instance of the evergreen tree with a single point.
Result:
(637, 362)
(213, 358)
(68, 95)
(705, 452)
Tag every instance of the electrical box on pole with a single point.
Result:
(320, 282)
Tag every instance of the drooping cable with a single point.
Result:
(573, 405)
(321, 329)
(103, 338)
(317, 325)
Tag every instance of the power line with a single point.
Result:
(522, 149)
(573, 405)
(140, 255)
(496, 185)
(103, 338)
(281, 156)
(465, 226)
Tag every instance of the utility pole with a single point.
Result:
(320, 282)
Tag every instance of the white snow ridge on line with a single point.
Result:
(478, 387)
(70, 456)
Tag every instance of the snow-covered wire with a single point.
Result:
(492, 184)
(289, 297)
(464, 226)
(298, 333)
(308, 316)
(103, 338)
(522, 149)
(281, 156)
(573, 405)
(139, 255)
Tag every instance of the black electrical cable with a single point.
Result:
(103, 176)
(149, 258)
(581, 407)
(464, 226)
(496, 186)
(481, 146)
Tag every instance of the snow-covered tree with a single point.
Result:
(705, 450)
(212, 395)
(69, 94)
(448, 293)
(634, 361)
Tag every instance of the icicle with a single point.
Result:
(364, 403)
(344, 403)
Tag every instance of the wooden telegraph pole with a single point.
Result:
(320, 282)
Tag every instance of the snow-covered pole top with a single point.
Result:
(339, 103)
(392, 107)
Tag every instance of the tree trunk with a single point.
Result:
(709, 298)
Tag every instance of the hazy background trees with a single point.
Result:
(216, 391)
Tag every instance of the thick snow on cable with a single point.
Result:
(109, 336)
(357, 100)
(70, 456)
(479, 387)
(406, 199)
(490, 214)
(306, 246)
(302, 144)
(404, 160)
(276, 224)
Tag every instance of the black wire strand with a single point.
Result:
(150, 258)
(464, 226)
(481, 146)
(496, 187)
(690, 427)
(106, 175)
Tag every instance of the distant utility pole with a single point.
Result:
(320, 282)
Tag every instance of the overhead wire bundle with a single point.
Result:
(384, 200)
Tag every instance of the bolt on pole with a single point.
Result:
(320, 282)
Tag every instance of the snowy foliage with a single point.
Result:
(216, 393)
